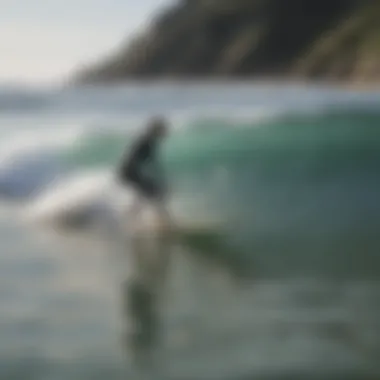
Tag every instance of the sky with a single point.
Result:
(43, 41)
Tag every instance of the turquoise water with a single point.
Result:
(289, 287)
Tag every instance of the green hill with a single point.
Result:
(335, 39)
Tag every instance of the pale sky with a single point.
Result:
(41, 41)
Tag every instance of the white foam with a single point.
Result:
(82, 196)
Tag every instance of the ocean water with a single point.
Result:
(288, 287)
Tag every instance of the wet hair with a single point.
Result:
(157, 126)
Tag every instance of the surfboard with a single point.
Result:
(194, 234)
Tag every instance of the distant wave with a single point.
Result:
(22, 100)
(31, 160)
(208, 100)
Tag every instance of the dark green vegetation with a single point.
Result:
(317, 39)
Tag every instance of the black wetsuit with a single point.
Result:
(132, 171)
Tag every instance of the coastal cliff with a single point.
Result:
(235, 39)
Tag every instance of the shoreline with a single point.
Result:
(244, 82)
(213, 82)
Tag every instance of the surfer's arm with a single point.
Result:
(129, 160)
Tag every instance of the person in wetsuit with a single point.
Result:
(140, 168)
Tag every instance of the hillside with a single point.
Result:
(335, 39)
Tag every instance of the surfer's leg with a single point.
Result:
(149, 190)
(163, 213)
(135, 209)
(136, 183)
(155, 194)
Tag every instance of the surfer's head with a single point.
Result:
(158, 127)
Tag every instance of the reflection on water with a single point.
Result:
(146, 289)
(142, 294)
(189, 315)
(186, 313)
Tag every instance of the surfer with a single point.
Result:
(141, 169)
